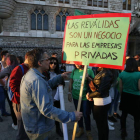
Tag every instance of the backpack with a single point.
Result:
(10, 93)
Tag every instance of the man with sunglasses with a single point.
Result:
(38, 112)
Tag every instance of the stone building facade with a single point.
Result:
(18, 33)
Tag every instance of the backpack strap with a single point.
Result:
(22, 69)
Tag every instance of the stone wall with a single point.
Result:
(78, 3)
(31, 42)
(115, 5)
(20, 45)
(20, 19)
(17, 31)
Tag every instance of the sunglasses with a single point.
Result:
(53, 63)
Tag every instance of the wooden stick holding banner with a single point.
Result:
(65, 132)
(80, 99)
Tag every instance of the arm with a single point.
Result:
(89, 78)
(43, 100)
(104, 86)
(15, 79)
(90, 75)
(94, 94)
(55, 81)
(5, 72)
(58, 79)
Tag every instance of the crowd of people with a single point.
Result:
(30, 87)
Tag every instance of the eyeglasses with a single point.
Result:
(53, 63)
(45, 59)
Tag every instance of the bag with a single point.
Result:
(10, 93)
(92, 86)
(17, 111)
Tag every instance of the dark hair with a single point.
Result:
(20, 59)
(35, 56)
(54, 53)
(13, 60)
(28, 53)
(82, 66)
(3, 53)
(131, 65)
(56, 70)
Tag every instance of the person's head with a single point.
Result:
(131, 65)
(20, 59)
(54, 65)
(4, 55)
(79, 66)
(11, 60)
(38, 59)
(29, 53)
(54, 55)
(136, 57)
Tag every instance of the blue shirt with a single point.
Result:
(38, 112)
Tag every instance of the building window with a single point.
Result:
(60, 21)
(39, 20)
(98, 3)
(63, 1)
(126, 4)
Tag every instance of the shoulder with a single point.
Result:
(74, 70)
(137, 73)
(89, 70)
(31, 76)
(123, 74)
(17, 69)
(24, 66)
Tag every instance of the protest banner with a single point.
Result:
(96, 40)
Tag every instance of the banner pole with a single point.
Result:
(64, 125)
(80, 99)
